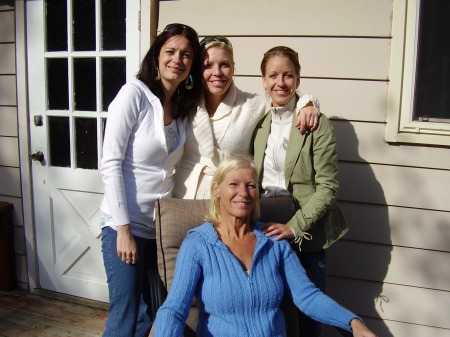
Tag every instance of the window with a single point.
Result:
(419, 93)
(86, 65)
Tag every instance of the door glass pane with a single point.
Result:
(83, 25)
(59, 141)
(113, 24)
(57, 84)
(56, 30)
(86, 143)
(113, 77)
(84, 84)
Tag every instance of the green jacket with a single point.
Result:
(311, 174)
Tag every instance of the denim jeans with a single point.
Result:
(129, 293)
(315, 266)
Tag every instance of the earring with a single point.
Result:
(189, 84)
(158, 76)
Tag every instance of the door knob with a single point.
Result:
(38, 156)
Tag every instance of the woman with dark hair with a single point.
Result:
(144, 139)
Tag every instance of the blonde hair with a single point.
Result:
(229, 164)
(221, 45)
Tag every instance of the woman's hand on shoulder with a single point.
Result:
(360, 330)
(307, 118)
(283, 231)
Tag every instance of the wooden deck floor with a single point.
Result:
(23, 314)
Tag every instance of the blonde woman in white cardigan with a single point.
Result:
(224, 122)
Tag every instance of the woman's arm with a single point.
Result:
(325, 184)
(172, 315)
(122, 116)
(314, 303)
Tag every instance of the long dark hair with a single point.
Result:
(183, 100)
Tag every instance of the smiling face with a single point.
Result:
(280, 80)
(237, 193)
(175, 60)
(218, 71)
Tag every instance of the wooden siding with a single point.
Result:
(280, 18)
(391, 267)
(8, 121)
(6, 24)
(10, 181)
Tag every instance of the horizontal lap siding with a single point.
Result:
(9, 151)
(8, 121)
(281, 17)
(394, 303)
(8, 90)
(10, 188)
(398, 226)
(345, 58)
(391, 264)
(6, 24)
(7, 55)
(363, 142)
(9, 182)
(420, 188)
(395, 197)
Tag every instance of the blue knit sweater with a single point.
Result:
(232, 304)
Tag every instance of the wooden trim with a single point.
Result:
(154, 19)
(71, 299)
(24, 136)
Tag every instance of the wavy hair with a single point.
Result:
(183, 100)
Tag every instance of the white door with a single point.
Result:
(80, 52)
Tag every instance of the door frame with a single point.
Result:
(24, 147)
(29, 264)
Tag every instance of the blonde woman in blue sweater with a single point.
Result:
(239, 275)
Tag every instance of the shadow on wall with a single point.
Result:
(358, 264)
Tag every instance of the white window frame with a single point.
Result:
(400, 126)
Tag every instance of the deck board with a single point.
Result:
(28, 315)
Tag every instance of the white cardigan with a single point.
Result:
(210, 140)
(136, 166)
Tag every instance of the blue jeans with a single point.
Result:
(315, 266)
(129, 294)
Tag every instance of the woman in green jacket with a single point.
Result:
(304, 167)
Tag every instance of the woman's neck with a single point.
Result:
(240, 239)
(167, 107)
(212, 102)
(234, 228)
